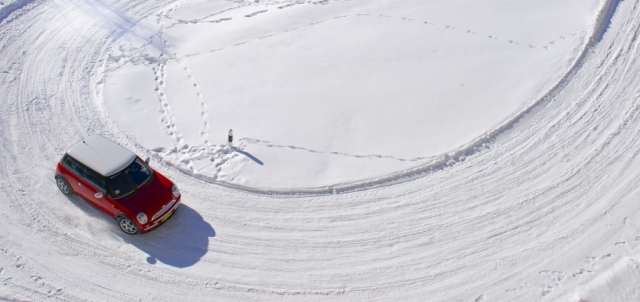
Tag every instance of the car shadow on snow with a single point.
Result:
(180, 242)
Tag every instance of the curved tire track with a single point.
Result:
(545, 183)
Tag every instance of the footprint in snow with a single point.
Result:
(582, 272)
(255, 13)
(547, 290)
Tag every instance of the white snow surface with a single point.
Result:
(384, 150)
(349, 91)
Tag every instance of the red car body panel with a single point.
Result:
(150, 198)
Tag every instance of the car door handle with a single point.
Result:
(80, 184)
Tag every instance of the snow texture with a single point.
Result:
(349, 92)
(385, 150)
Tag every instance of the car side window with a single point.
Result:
(73, 165)
(90, 176)
(95, 179)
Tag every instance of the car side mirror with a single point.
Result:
(99, 195)
(147, 160)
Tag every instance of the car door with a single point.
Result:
(75, 177)
(95, 183)
(86, 183)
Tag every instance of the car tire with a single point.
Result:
(127, 225)
(63, 185)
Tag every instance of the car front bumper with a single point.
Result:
(156, 223)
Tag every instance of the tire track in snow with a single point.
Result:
(549, 180)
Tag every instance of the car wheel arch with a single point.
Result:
(121, 216)
(59, 178)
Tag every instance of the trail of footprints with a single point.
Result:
(19, 264)
(200, 20)
(556, 277)
(435, 25)
(160, 71)
(251, 141)
(168, 118)
(216, 154)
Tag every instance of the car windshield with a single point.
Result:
(129, 179)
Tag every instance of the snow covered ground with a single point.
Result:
(321, 95)
(386, 150)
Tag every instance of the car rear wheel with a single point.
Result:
(63, 185)
(127, 225)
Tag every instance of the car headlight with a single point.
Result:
(175, 191)
(142, 218)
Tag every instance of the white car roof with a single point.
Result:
(101, 155)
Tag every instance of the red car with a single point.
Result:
(119, 183)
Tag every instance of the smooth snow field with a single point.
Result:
(405, 150)
(345, 92)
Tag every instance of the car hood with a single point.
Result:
(150, 197)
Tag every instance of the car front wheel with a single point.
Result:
(63, 185)
(128, 226)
